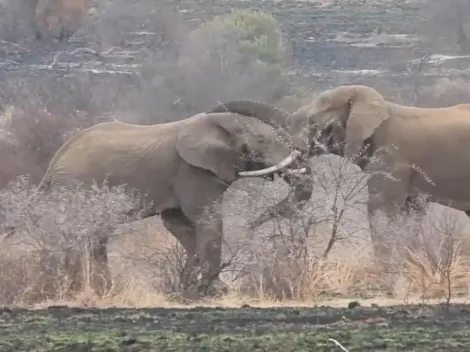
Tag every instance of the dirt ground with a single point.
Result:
(393, 328)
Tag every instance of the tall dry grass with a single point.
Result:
(142, 284)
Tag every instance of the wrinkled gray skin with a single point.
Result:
(300, 186)
(180, 168)
(425, 150)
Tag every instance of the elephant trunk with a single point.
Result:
(289, 160)
(268, 114)
(300, 192)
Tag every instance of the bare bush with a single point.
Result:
(63, 95)
(32, 136)
(17, 19)
(447, 25)
(446, 92)
(290, 258)
(438, 268)
(114, 22)
(55, 231)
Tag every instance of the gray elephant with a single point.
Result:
(424, 150)
(181, 169)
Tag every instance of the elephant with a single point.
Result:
(300, 185)
(68, 14)
(180, 169)
(407, 151)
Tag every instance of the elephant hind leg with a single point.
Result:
(100, 274)
(179, 226)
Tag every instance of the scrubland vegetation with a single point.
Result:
(320, 254)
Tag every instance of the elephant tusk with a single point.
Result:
(271, 170)
(300, 171)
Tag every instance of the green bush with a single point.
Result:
(258, 32)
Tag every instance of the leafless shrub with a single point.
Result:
(290, 258)
(443, 91)
(32, 136)
(446, 92)
(439, 268)
(447, 25)
(114, 23)
(64, 95)
(55, 230)
(17, 19)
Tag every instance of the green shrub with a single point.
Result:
(258, 32)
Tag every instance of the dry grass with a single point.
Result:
(139, 281)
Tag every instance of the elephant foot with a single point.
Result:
(215, 288)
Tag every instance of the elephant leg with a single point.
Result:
(100, 277)
(179, 226)
(379, 244)
(209, 249)
(41, 16)
(387, 196)
(200, 196)
(300, 191)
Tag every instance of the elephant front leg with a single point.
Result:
(387, 199)
(200, 196)
(100, 276)
(379, 223)
(300, 192)
(209, 253)
(179, 226)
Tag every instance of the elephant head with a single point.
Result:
(274, 117)
(297, 176)
(339, 121)
(231, 145)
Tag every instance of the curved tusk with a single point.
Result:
(300, 171)
(271, 170)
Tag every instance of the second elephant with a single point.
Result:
(408, 151)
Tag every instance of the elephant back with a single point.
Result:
(266, 113)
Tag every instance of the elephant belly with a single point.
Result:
(446, 195)
(157, 193)
(453, 203)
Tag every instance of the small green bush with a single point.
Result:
(258, 32)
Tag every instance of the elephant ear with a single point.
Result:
(205, 144)
(367, 112)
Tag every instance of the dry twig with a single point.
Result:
(338, 344)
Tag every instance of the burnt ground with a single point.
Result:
(398, 328)
(366, 43)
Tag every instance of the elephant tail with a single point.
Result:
(266, 113)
